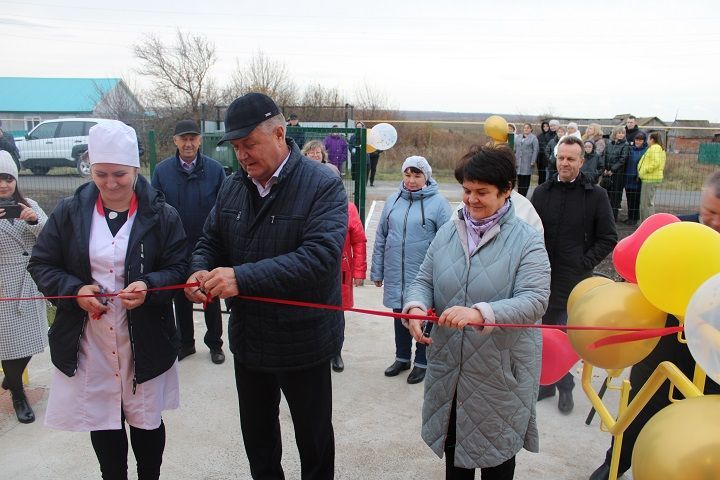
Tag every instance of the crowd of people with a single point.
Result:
(282, 227)
(624, 162)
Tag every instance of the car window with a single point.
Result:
(46, 130)
(70, 129)
(87, 127)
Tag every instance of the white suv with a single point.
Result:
(57, 143)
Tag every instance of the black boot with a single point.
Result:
(546, 391)
(396, 368)
(417, 375)
(22, 408)
(337, 363)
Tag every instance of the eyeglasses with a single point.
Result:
(639, 139)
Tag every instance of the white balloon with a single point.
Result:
(382, 136)
(702, 327)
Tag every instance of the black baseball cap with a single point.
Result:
(187, 127)
(245, 113)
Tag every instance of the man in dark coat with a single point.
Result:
(277, 230)
(190, 182)
(667, 349)
(631, 129)
(296, 134)
(579, 233)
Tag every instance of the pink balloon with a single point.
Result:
(626, 251)
(558, 356)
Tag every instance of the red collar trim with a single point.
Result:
(133, 205)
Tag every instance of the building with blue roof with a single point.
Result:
(27, 101)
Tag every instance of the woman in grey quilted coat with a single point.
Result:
(23, 325)
(485, 267)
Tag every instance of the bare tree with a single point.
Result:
(179, 71)
(371, 102)
(116, 101)
(264, 75)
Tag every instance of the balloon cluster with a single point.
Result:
(669, 267)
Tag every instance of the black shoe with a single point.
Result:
(337, 363)
(185, 351)
(396, 368)
(22, 408)
(602, 473)
(565, 401)
(546, 391)
(417, 375)
(217, 356)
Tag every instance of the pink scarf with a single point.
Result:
(477, 228)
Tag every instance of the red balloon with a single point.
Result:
(558, 356)
(626, 251)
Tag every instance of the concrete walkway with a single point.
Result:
(376, 419)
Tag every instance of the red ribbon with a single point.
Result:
(634, 334)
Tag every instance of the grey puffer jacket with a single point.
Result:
(408, 224)
(494, 372)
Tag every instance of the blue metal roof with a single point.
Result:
(31, 94)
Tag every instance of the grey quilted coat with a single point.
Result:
(495, 372)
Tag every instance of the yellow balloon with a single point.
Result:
(585, 286)
(681, 442)
(496, 127)
(674, 261)
(613, 305)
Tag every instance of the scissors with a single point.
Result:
(102, 299)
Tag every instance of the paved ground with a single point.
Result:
(377, 423)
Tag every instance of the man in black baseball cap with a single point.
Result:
(245, 113)
(296, 132)
(277, 230)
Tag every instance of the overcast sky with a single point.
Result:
(569, 58)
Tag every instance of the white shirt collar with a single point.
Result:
(264, 191)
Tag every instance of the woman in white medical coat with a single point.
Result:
(116, 356)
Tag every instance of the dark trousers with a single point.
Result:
(504, 471)
(557, 315)
(111, 448)
(541, 167)
(309, 396)
(184, 320)
(523, 184)
(615, 192)
(13, 370)
(403, 344)
(668, 348)
(373, 168)
(633, 200)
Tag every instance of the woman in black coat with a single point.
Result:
(617, 152)
(542, 161)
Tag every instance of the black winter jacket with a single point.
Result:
(616, 156)
(191, 193)
(60, 265)
(289, 249)
(579, 231)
